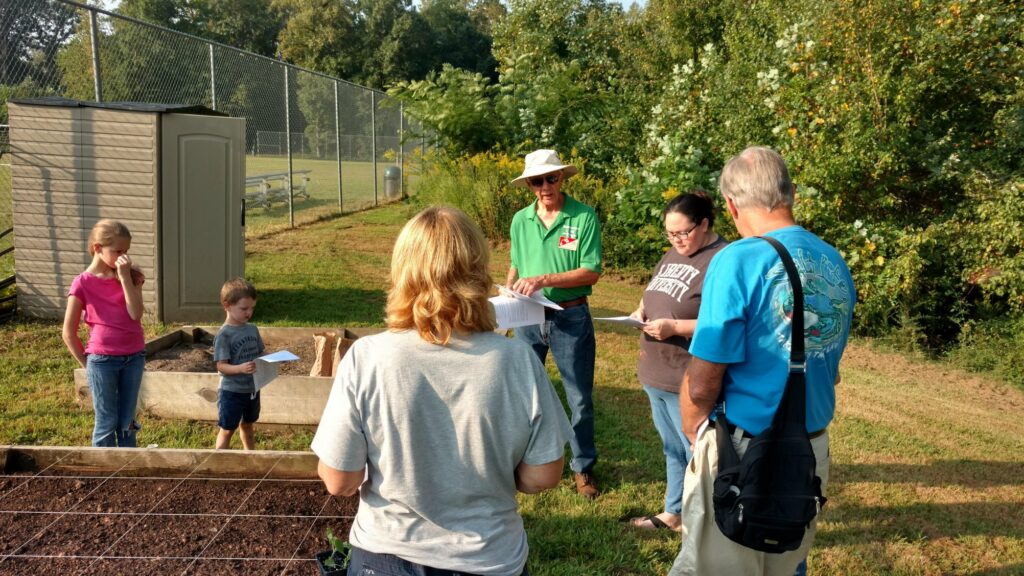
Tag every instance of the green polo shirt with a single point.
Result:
(573, 241)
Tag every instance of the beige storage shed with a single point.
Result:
(175, 175)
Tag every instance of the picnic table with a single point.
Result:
(265, 189)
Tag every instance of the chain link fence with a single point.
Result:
(336, 142)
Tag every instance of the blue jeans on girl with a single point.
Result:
(669, 423)
(114, 382)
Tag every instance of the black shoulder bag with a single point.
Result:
(767, 499)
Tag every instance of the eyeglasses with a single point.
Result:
(680, 235)
(538, 181)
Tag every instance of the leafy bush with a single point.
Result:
(994, 346)
(479, 186)
(901, 124)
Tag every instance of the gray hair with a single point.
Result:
(757, 177)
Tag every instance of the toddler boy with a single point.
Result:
(235, 350)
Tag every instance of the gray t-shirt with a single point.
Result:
(674, 292)
(441, 430)
(237, 345)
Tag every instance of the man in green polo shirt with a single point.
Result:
(556, 247)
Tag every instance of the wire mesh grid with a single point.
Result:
(46, 49)
(59, 522)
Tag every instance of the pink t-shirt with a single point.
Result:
(111, 330)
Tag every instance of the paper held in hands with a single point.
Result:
(624, 320)
(512, 309)
(266, 367)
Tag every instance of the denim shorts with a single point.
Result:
(235, 407)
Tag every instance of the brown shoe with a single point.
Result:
(586, 485)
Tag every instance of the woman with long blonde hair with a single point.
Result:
(438, 421)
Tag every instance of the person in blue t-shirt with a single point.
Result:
(741, 348)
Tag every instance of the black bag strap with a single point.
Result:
(792, 410)
(797, 357)
(790, 416)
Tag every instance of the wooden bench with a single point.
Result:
(265, 189)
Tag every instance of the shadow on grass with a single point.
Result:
(312, 306)
(974, 474)
(922, 521)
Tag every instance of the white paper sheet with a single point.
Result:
(266, 367)
(515, 312)
(537, 297)
(624, 320)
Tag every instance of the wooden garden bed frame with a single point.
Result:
(293, 400)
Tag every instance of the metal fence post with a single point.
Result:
(337, 141)
(213, 81)
(373, 141)
(97, 86)
(288, 147)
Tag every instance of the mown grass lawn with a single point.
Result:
(927, 472)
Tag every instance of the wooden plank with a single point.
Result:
(109, 116)
(140, 238)
(44, 124)
(28, 148)
(142, 217)
(28, 187)
(119, 140)
(163, 342)
(30, 111)
(30, 134)
(77, 150)
(292, 400)
(172, 462)
(296, 400)
(82, 162)
(43, 173)
(81, 199)
(144, 260)
(88, 128)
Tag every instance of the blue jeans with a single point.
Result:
(569, 334)
(114, 382)
(363, 563)
(801, 570)
(669, 423)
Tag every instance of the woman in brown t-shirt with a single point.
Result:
(669, 308)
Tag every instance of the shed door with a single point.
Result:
(203, 244)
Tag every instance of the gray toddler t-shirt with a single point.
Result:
(237, 345)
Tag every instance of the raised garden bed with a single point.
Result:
(164, 511)
(181, 379)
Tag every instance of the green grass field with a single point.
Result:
(357, 191)
(927, 474)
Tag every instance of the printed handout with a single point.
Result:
(512, 309)
(623, 320)
(512, 313)
(266, 367)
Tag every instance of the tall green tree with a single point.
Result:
(251, 25)
(30, 37)
(460, 34)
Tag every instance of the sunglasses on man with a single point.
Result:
(538, 181)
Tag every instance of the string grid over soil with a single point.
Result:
(56, 523)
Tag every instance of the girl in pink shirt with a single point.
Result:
(109, 293)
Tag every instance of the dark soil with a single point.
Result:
(192, 526)
(198, 357)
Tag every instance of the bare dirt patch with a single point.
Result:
(194, 525)
(198, 357)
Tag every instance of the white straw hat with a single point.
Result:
(540, 162)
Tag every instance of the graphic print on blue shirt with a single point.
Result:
(826, 304)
